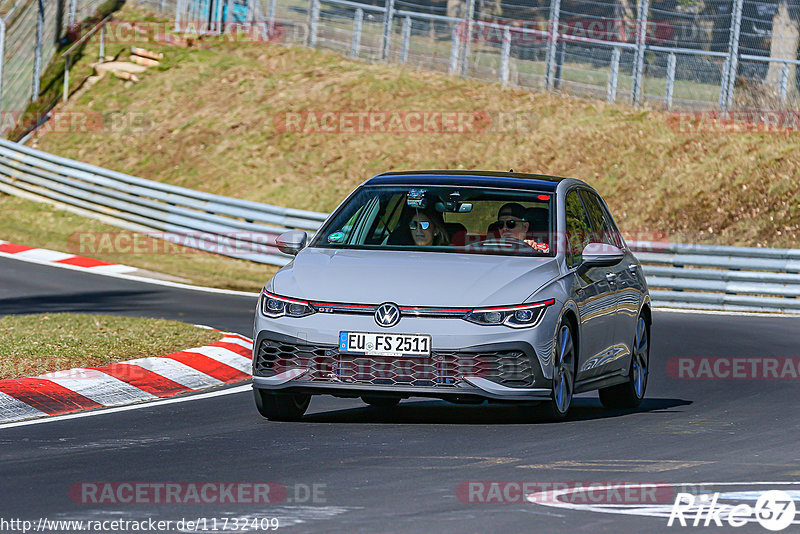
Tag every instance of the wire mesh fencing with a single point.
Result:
(718, 55)
(689, 54)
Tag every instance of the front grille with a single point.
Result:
(441, 369)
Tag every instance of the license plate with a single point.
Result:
(385, 344)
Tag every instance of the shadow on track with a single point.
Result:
(440, 412)
(82, 302)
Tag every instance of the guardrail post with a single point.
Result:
(250, 16)
(670, 80)
(638, 64)
(552, 41)
(388, 19)
(454, 49)
(784, 87)
(37, 61)
(733, 52)
(218, 12)
(611, 94)
(723, 101)
(178, 5)
(505, 57)
(313, 23)
(406, 39)
(228, 14)
(102, 44)
(468, 37)
(358, 21)
(66, 79)
(273, 7)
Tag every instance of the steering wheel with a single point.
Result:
(502, 242)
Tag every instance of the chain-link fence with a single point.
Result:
(31, 31)
(672, 54)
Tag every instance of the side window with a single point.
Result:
(604, 229)
(615, 233)
(578, 229)
(387, 219)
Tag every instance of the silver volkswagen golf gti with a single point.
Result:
(462, 286)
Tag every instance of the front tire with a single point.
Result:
(631, 393)
(563, 375)
(281, 406)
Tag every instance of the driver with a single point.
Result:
(511, 223)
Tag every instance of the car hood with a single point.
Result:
(412, 278)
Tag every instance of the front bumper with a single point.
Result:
(500, 371)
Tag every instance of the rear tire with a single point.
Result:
(281, 406)
(563, 382)
(631, 393)
(383, 403)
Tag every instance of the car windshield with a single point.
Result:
(443, 219)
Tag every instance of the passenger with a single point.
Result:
(427, 228)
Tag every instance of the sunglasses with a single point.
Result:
(508, 224)
(422, 224)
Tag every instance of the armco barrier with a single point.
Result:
(150, 206)
(721, 278)
(679, 275)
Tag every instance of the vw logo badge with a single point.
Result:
(387, 315)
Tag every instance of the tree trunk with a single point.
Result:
(456, 8)
(625, 15)
(785, 39)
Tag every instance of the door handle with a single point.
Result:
(611, 277)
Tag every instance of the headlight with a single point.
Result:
(523, 316)
(274, 306)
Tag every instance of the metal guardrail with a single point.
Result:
(236, 228)
(721, 278)
(679, 275)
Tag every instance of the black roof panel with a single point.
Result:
(511, 180)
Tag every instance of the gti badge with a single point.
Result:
(387, 315)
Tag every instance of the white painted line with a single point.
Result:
(177, 372)
(224, 356)
(11, 408)
(550, 498)
(115, 268)
(153, 404)
(43, 254)
(97, 386)
(134, 278)
(726, 312)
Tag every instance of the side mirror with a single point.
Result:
(601, 255)
(291, 242)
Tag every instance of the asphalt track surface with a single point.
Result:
(399, 472)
